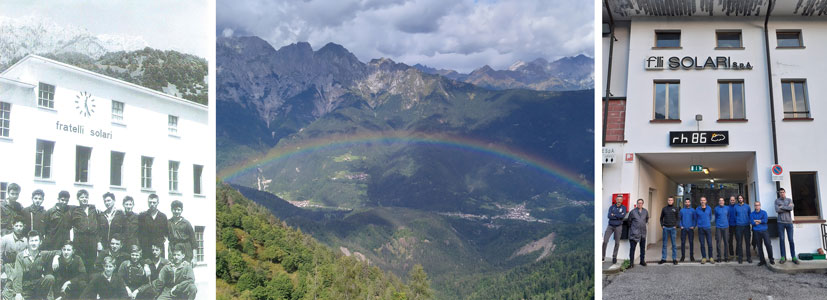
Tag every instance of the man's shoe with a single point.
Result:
(772, 261)
(749, 260)
(682, 258)
(614, 260)
(795, 261)
(703, 261)
(643, 263)
(782, 260)
(674, 262)
(762, 264)
(740, 261)
(712, 260)
(631, 265)
(692, 258)
(661, 261)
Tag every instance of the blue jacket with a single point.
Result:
(742, 215)
(760, 215)
(722, 216)
(731, 215)
(616, 215)
(703, 217)
(687, 217)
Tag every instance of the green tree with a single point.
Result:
(419, 283)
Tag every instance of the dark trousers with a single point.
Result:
(688, 233)
(762, 236)
(632, 245)
(721, 235)
(732, 239)
(86, 246)
(705, 234)
(39, 289)
(612, 230)
(782, 227)
(742, 238)
(72, 292)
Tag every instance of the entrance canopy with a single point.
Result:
(723, 166)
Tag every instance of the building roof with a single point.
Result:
(627, 9)
(97, 76)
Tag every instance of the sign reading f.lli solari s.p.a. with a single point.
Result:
(698, 138)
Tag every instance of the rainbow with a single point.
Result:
(287, 151)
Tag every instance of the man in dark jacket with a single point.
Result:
(131, 224)
(154, 226)
(668, 221)
(10, 208)
(70, 273)
(58, 221)
(34, 214)
(638, 218)
(688, 224)
(617, 213)
(111, 222)
(86, 230)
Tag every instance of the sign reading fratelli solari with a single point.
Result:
(695, 62)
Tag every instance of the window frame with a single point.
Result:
(666, 100)
(730, 82)
(40, 92)
(197, 182)
(118, 118)
(5, 119)
(146, 172)
(729, 31)
(668, 31)
(806, 101)
(172, 125)
(173, 175)
(112, 155)
(789, 31)
(799, 215)
(80, 170)
(42, 165)
(199, 240)
(4, 186)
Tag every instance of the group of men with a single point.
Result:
(731, 220)
(80, 252)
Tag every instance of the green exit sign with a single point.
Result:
(696, 168)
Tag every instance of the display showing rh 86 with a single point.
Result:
(99, 182)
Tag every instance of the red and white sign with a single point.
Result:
(630, 157)
(777, 172)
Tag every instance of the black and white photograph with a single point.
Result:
(106, 150)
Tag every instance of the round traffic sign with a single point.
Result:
(777, 170)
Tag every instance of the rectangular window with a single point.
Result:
(805, 194)
(731, 99)
(728, 39)
(795, 99)
(5, 115)
(173, 124)
(82, 155)
(789, 38)
(667, 39)
(3, 187)
(667, 100)
(117, 111)
(146, 172)
(46, 95)
(173, 176)
(43, 159)
(116, 168)
(196, 174)
(199, 239)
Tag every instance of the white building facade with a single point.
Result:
(677, 99)
(66, 128)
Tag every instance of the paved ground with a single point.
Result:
(719, 281)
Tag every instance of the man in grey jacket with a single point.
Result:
(783, 206)
(638, 218)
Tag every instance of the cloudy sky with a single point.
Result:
(461, 35)
(169, 25)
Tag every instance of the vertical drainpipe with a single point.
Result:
(769, 81)
(609, 71)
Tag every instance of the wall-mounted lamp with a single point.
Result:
(706, 171)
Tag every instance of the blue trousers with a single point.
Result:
(671, 232)
(688, 233)
(705, 234)
(782, 227)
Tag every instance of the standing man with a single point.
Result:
(638, 218)
(58, 223)
(111, 221)
(688, 223)
(13, 243)
(617, 213)
(703, 215)
(722, 229)
(759, 230)
(182, 233)
(86, 228)
(668, 221)
(10, 209)
(742, 230)
(784, 207)
(154, 226)
(732, 227)
(34, 214)
(130, 224)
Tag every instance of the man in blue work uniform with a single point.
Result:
(742, 230)
(688, 224)
(732, 228)
(703, 217)
(759, 230)
(722, 229)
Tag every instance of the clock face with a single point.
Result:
(85, 104)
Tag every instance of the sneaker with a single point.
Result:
(682, 258)
(661, 261)
(643, 263)
(614, 260)
(762, 264)
(782, 260)
(712, 260)
(674, 262)
(795, 261)
(703, 261)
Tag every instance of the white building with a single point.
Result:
(672, 61)
(66, 128)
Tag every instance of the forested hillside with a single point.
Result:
(260, 257)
